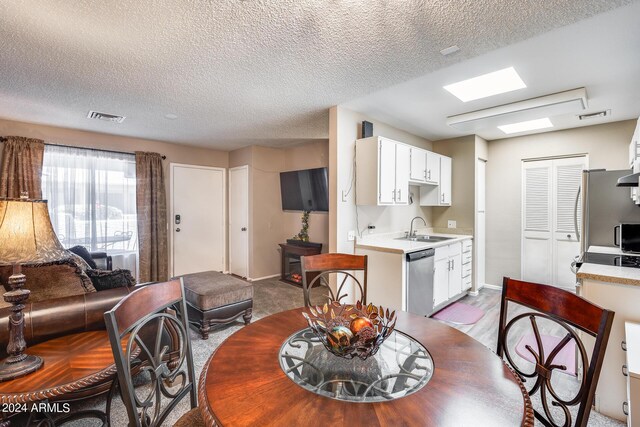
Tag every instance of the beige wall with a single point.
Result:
(175, 153)
(268, 224)
(462, 210)
(606, 146)
(344, 129)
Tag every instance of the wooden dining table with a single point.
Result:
(243, 383)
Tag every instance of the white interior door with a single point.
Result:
(537, 222)
(551, 218)
(239, 221)
(197, 219)
(480, 237)
(567, 217)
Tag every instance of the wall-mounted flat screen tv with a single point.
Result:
(305, 190)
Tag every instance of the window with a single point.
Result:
(92, 198)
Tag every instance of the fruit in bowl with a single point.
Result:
(350, 330)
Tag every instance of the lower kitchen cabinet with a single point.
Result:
(631, 370)
(611, 392)
(447, 279)
(441, 281)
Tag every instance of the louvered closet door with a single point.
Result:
(551, 218)
(537, 222)
(567, 218)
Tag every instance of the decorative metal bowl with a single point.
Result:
(348, 330)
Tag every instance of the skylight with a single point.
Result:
(526, 126)
(490, 84)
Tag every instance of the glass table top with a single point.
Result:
(400, 367)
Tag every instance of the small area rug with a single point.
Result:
(566, 356)
(460, 314)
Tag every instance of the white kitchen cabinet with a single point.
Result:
(455, 275)
(418, 165)
(447, 279)
(631, 370)
(445, 180)
(611, 392)
(402, 167)
(439, 195)
(440, 281)
(433, 168)
(382, 172)
(467, 263)
(386, 172)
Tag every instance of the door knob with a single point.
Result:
(243, 229)
(177, 230)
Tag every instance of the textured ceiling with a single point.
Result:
(238, 71)
(601, 54)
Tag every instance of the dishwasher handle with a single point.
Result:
(418, 255)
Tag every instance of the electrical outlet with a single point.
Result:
(351, 236)
(451, 224)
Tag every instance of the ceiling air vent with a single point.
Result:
(603, 113)
(106, 117)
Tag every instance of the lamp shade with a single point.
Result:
(26, 233)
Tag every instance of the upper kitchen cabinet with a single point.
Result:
(418, 165)
(433, 168)
(382, 172)
(425, 167)
(439, 195)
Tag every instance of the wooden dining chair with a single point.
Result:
(571, 313)
(318, 270)
(161, 310)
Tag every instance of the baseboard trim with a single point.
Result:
(474, 293)
(263, 278)
(494, 287)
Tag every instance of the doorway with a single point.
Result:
(480, 237)
(239, 221)
(197, 219)
(551, 218)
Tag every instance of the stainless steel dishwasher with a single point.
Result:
(420, 282)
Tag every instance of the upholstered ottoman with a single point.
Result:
(216, 298)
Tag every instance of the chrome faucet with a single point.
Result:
(412, 232)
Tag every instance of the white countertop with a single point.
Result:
(389, 242)
(609, 273)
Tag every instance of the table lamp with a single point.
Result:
(26, 235)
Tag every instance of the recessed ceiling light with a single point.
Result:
(526, 126)
(490, 84)
(171, 116)
(449, 50)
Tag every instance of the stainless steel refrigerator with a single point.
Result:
(604, 206)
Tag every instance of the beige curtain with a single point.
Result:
(151, 204)
(21, 167)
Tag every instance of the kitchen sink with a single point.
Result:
(425, 238)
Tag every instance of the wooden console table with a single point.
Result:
(75, 367)
(291, 271)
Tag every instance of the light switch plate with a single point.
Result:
(451, 224)
(351, 236)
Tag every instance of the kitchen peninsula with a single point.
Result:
(420, 274)
(616, 287)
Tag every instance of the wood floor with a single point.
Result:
(485, 330)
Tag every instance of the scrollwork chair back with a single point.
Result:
(572, 314)
(318, 270)
(158, 307)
